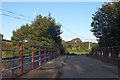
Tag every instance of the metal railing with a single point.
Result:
(107, 52)
(22, 60)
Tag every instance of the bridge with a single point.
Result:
(40, 61)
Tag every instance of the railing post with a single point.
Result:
(48, 54)
(58, 52)
(39, 52)
(51, 53)
(44, 55)
(21, 57)
(119, 53)
(102, 52)
(109, 56)
(32, 56)
(1, 37)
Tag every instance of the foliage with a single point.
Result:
(43, 30)
(106, 24)
(76, 45)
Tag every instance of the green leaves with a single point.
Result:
(43, 30)
(105, 25)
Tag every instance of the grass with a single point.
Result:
(77, 53)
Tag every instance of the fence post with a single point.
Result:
(32, 56)
(39, 51)
(21, 57)
(44, 55)
(1, 37)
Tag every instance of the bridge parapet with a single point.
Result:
(107, 52)
(23, 58)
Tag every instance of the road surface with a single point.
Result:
(83, 66)
(80, 66)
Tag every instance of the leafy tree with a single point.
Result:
(77, 45)
(105, 25)
(43, 30)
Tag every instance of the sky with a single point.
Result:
(75, 17)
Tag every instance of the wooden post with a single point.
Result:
(21, 57)
(44, 55)
(1, 37)
(32, 56)
(39, 52)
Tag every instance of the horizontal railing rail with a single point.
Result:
(22, 59)
(108, 52)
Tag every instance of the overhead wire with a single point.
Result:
(16, 13)
(77, 34)
(14, 17)
(33, 18)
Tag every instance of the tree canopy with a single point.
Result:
(77, 45)
(43, 30)
(106, 24)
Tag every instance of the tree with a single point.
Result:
(43, 30)
(77, 45)
(105, 25)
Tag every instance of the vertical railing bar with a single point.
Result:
(1, 38)
(44, 54)
(13, 60)
(21, 57)
(39, 51)
(49, 54)
(32, 56)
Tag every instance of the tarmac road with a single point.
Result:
(79, 66)
(82, 66)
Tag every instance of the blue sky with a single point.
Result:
(74, 16)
